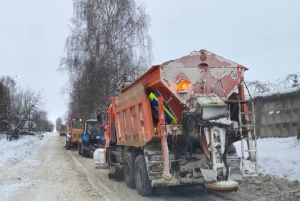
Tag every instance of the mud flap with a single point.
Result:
(111, 173)
(116, 173)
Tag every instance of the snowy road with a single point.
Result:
(50, 173)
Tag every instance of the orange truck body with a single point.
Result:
(130, 110)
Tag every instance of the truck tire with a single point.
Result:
(141, 178)
(129, 170)
(79, 149)
(68, 146)
(82, 151)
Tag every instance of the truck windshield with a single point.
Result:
(92, 128)
(76, 123)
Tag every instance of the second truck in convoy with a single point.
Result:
(91, 139)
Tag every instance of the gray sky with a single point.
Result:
(32, 39)
(262, 35)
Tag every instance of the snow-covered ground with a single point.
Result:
(18, 154)
(278, 156)
(11, 152)
(40, 168)
(34, 169)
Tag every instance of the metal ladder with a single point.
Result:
(247, 133)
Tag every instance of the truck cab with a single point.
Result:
(63, 130)
(91, 139)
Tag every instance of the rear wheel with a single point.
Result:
(82, 151)
(79, 149)
(68, 146)
(142, 182)
(129, 170)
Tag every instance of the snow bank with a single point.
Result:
(278, 156)
(11, 152)
(17, 158)
(2, 136)
(9, 189)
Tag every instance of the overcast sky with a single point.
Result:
(261, 35)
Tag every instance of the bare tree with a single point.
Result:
(21, 106)
(4, 107)
(109, 45)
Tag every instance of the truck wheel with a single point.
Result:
(79, 149)
(129, 170)
(142, 182)
(68, 147)
(82, 153)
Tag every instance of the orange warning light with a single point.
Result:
(182, 86)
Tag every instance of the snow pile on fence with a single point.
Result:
(11, 152)
(278, 156)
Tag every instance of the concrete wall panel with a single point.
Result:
(278, 115)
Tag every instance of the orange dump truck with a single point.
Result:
(175, 125)
(75, 132)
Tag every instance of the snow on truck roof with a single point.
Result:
(200, 72)
(195, 59)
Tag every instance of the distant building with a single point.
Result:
(278, 114)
